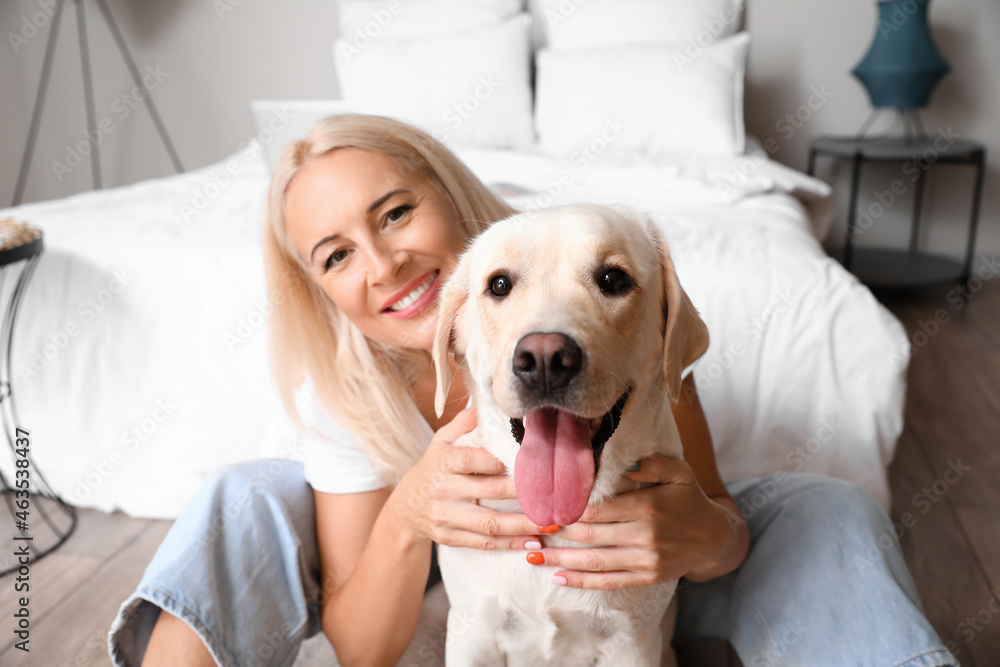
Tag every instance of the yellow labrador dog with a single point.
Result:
(574, 331)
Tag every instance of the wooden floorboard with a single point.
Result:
(952, 414)
(74, 630)
(102, 533)
(932, 538)
(982, 524)
(53, 577)
(953, 423)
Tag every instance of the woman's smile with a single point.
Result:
(411, 301)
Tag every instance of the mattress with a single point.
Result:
(140, 354)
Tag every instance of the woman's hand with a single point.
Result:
(652, 535)
(437, 496)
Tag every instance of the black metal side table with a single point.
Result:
(887, 267)
(39, 519)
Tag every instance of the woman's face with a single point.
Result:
(379, 241)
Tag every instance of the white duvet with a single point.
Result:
(140, 358)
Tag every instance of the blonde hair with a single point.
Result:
(362, 383)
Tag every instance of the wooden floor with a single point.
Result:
(953, 423)
(952, 544)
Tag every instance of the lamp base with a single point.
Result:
(913, 128)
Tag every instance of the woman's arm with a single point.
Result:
(699, 454)
(375, 547)
(373, 577)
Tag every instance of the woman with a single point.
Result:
(366, 217)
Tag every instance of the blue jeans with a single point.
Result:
(824, 582)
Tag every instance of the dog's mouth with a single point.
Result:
(601, 428)
(556, 466)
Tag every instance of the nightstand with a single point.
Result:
(888, 267)
(34, 505)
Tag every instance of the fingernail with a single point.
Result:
(559, 580)
(536, 558)
(548, 529)
(634, 467)
(532, 544)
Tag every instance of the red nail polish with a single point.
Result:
(548, 529)
(536, 558)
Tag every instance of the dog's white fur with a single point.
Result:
(504, 610)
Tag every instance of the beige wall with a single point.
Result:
(799, 44)
(215, 61)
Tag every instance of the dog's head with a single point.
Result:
(570, 320)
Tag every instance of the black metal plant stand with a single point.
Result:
(88, 91)
(48, 520)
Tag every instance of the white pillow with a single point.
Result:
(653, 100)
(585, 24)
(364, 20)
(471, 89)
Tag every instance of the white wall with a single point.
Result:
(216, 61)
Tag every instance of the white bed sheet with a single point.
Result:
(170, 378)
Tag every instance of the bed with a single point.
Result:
(140, 357)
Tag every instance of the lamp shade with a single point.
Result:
(903, 65)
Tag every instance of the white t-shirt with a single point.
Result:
(334, 461)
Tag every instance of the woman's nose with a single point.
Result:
(384, 264)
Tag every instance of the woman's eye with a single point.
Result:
(335, 257)
(614, 282)
(500, 286)
(397, 213)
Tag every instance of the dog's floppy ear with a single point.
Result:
(686, 337)
(452, 298)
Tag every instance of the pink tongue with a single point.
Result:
(554, 469)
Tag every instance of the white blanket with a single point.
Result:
(141, 351)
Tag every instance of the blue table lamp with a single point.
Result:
(903, 65)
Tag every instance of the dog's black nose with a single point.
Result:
(547, 361)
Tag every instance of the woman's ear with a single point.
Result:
(686, 336)
(451, 300)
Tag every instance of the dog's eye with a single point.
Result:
(614, 282)
(500, 286)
